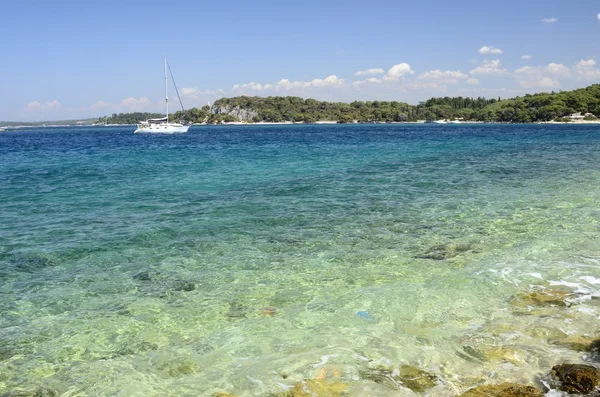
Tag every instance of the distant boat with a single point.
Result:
(162, 125)
(447, 121)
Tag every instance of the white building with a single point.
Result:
(578, 116)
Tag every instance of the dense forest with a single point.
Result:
(128, 118)
(529, 108)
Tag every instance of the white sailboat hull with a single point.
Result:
(161, 129)
(162, 125)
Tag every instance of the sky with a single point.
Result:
(78, 59)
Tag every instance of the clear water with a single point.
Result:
(245, 259)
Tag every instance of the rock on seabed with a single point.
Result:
(448, 251)
(408, 376)
(540, 298)
(576, 378)
(503, 390)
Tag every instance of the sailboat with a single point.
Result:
(162, 125)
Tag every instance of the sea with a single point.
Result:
(253, 259)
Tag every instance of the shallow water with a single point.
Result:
(246, 259)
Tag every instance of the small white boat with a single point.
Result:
(162, 125)
(439, 121)
(454, 122)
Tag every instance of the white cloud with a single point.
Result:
(397, 71)
(189, 91)
(526, 56)
(473, 81)
(132, 104)
(427, 85)
(194, 93)
(550, 20)
(558, 69)
(331, 80)
(598, 16)
(587, 70)
(369, 72)
(544, 77)
(252, 86)
(38, 106)
(372, 80)
(548, 82)
(445, 77)
(489, 50)
(480, 91)
(286, 85)
(585, 64)
(489, 68)
(538, 81)
(100, 105)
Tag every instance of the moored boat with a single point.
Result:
(162, 125)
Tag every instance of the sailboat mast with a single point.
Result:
(166, 92)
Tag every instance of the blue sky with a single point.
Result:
(71, 59)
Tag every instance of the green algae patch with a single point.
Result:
(539, 301)
(447, 251)
(27, 392)
(491, 354)
(503, 390)
(503, 354)
(406, 376)
(181, 369)
(575, 342)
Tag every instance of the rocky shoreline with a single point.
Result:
(561, 379)
(542, 301)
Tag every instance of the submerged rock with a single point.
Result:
(30, 263)
(406, 376)
(594, 347)
(269, 311)
(416, 379)
(181, 369)
(176, 368)
(504, 354)
(316, 387)
(144, 275)
(472, 353)
(523, 301)
(135, 347)
(223, 394)
(237, 310)
(575, 378)
(441, 252)
(490, 354)
(503, 390)
(575, 342)
(185, 286)
(5, 352)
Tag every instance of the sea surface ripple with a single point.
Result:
(247, 258)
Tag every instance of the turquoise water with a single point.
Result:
(245, 259)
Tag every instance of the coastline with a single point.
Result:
(322, 122)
